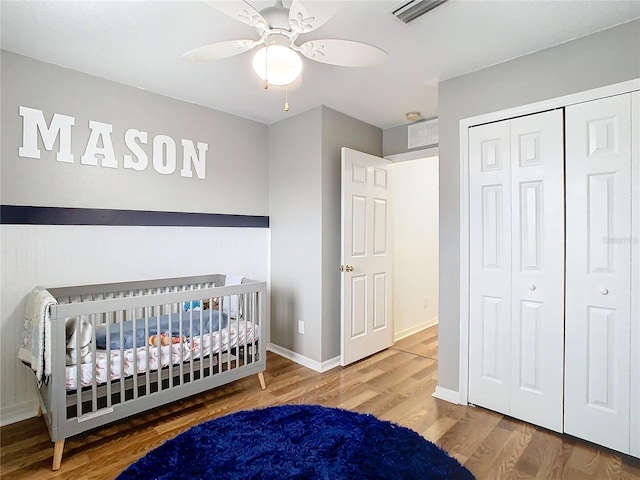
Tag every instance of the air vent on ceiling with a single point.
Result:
(413, 9)
(423, 134)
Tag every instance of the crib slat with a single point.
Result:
(78, 370)
(158, 349)
(210, 300)
(146, 352)
(107, 323)
(121, 355)
(147, 373)
(237, 330)
(218, 346)
(94, 364)
(171, 346)
(201, 362)
(134, 325)
(182, 347)
(245, 309)
(192, 356)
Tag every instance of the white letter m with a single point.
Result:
(33, 121)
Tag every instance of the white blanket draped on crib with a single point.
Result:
(35, 338)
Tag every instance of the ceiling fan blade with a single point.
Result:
(241, 11)
(303, 21)
(217, 51)
(345, 53)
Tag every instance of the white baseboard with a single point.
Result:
(17, 413)
(304, 361)
(415, 329)
(447, 395)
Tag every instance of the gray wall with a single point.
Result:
(394, 140)
(604, 58)
(236, 160)
(295, 206)
(58, 255)
(304, 184)
(338, 130)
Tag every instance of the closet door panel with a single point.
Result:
(537, 282)
(598, 264)
(635, 279)
(490, 266)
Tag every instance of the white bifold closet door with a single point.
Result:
(517, 267)
(600, 241)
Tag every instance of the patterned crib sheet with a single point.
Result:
(126, 362)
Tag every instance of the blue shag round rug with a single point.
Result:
(298, 442)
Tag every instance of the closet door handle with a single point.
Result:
(604, 291)
(532, 286)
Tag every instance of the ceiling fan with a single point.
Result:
(278, 27)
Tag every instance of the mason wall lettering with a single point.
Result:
(99, 149)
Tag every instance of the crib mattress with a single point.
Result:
(124, 363)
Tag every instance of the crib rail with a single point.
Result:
(90, 292)
(121, 349)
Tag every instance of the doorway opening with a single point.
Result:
(416, 252)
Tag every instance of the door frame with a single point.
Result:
(464, 125)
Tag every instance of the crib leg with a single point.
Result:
(57, 454)
(263, 385)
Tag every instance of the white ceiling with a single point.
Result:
(140, 43)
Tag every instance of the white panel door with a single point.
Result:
(537, 266)
(635, 272)
(490, 266)
(366, 257)
(517, 267)
(598, 284)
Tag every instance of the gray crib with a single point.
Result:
(120, 349)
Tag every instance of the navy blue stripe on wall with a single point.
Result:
(26, 215)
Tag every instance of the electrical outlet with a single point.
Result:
(300, 327)
(426, 302)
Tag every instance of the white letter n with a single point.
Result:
(189, 157)
(33, 121)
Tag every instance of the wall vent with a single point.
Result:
(413, 9)
(423, 134)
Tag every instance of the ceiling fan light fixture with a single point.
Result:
(277, 65)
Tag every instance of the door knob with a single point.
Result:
(341, 268)
(348, 268)
(604, 291)
(532, 286)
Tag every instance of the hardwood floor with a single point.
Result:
(394, 385)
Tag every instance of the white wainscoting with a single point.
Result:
(50, 255)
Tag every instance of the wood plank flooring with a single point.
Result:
(394, 385)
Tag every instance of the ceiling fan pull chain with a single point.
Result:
(266, 68)
(286, 99)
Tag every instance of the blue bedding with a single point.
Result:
(168, 323)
